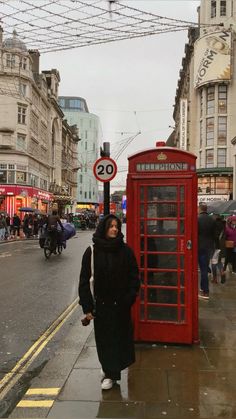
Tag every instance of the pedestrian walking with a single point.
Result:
(3, 227)
(8, 222)
(116, 285)
(219, 253)
(206, 246)
(16, 223)
(230, 243)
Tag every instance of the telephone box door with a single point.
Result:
(164, 249)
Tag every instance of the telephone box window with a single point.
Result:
(161, 261)
(141, 227)
(182, 193)
(162, 244)
(142, 211)
(142, 193)
(161, 193)
(163, 278)
(162, 313)
(182, 280)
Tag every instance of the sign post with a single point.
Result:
(105, 169)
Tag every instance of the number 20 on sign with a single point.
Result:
(105, 169)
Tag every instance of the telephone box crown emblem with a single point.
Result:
(161, 156)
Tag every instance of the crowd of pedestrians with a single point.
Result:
(15, 227)
(216, 248)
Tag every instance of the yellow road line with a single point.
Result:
(47, 391)
(35, 403)
(13, 376)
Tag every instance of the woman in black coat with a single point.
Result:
(116, 284)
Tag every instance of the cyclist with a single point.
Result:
(51, 227)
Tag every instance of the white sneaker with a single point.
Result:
(107, 384)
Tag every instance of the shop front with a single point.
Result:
(13, 198)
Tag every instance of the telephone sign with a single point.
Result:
(105, 169)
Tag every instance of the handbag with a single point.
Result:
(85, 321)
(91, 280)
(229, 244)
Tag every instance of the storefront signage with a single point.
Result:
(212, 198)
(212, 58)
(149, 167)
(25, 191)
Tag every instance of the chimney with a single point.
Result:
(1, 36)
(34, 54)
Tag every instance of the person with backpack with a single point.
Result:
(52, 228)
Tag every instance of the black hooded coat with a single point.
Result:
(116, 285)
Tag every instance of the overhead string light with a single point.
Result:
(56, 25)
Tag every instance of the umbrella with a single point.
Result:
(26, 209)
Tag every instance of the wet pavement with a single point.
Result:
(171, 381)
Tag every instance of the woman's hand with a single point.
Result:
(89, 316)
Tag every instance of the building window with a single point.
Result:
(21, 114)
(86, 134)
(200, 159)
(90, 195)
(213, 8)
(209, 132)
(223, 8)
(222, 130)
(11, 176)
(34, 123)
(10, 60)
(85, 145)
(201, 102)
(3, 176)
(21, 142)
(80, 178)
(33, 179)
(222, 98)
(23, 63)
(85, 195)
(43, 184)
(209, 158)
(21, 177)
(22, 89)
(221, 157)
(201, 134)
(210, 100)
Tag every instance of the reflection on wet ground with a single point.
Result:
(166, 380)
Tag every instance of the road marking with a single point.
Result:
(47, 391)
(11, 378)
(5, 255)
(35, 403)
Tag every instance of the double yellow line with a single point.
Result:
(11, 378)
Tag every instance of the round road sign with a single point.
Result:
(105, 169)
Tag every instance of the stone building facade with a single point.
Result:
(32, 127)
(204, 111)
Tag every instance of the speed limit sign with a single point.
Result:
(105, 169)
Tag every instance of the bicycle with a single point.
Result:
(48, 248)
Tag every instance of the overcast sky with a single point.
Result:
(130, 85)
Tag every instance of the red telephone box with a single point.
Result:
(162, 230)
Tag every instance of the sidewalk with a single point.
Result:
(166, 381)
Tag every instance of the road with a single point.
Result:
(34, 292)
